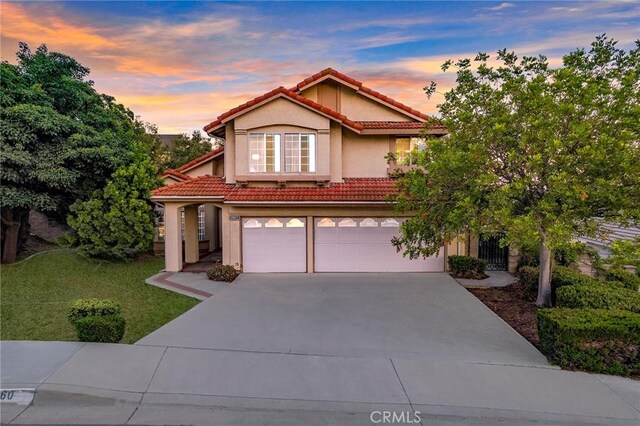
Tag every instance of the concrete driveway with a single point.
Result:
(428, 316)
(316, 349)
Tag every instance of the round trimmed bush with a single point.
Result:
(82, 308)
(102, 329)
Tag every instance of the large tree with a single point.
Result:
(540, 154)
(117, 220)
(182, 150)
(59, 138)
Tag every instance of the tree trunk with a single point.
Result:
(544, 278)
(12, 220)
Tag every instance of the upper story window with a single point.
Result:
(264, 153)
(408, 148)
(300, 152)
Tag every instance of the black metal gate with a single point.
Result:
(489, 249)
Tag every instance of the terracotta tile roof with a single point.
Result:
(392, 124)
(177, 172)
(281, 91)
(361, 88)
(206, 185)
(353, 189)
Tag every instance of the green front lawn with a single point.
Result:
(35, 295)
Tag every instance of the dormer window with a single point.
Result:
(264, 153)
(300, 153)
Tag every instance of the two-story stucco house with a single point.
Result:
(300, 184)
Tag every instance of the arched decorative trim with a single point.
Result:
(295, 223)
(347, 223)
(368, 223)
(390, 223)
(326, 223)
(273, 223)
(252, 223)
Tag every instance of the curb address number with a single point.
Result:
(17, 396)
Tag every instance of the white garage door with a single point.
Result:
(274, 244)
(360, 244)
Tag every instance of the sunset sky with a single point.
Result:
(181, 64)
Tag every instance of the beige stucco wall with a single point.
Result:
(363, 156)
(167, 180)
(230, 153)
(311, 93)
(360, 108)
(201, 170)
(281, 111)
(329, 96)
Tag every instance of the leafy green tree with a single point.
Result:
(182, 150)
(537, 153)
(117, 221)
(625, 252)
(59, 139)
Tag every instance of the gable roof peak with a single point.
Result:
(359, 88)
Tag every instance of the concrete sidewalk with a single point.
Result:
(137, 384)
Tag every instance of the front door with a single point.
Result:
(489, 249)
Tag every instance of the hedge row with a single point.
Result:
(562, 276)
(597, 340)
(107, 329)
(625, 278)
(598, 296)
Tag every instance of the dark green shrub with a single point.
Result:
(562, 276)
(467, 266)
(226, 273)
(103, 329)
(528, 276)
(598, 296)
(597, 340)
(627, 279)
(81, 308)
(569, 253)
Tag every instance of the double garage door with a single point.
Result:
(344, 244)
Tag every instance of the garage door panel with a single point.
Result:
(365, 248)
(269, 248)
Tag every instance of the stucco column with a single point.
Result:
(172, 237)
(191, 252)
(310, 253)
(210, 225)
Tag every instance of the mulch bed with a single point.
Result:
(514, 305)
